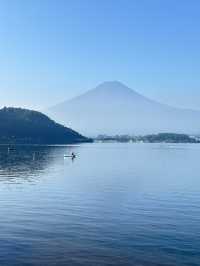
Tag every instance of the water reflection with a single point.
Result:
(115, 204)
(28, 163)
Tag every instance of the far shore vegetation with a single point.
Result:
(153, 138)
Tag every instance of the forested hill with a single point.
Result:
(24, 126)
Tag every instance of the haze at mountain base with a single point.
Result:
(113, 108)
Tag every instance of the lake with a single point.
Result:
(115, 204)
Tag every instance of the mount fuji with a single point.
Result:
(113, 108)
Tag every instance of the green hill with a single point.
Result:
(22, 126)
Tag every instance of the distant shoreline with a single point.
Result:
(153, 138)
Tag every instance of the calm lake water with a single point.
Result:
(115, 204)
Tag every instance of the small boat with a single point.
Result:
(73, 156)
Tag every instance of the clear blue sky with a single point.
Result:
(53, 50)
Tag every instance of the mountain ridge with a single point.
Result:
(131, 90)
(103, 87)
(114, 108)
(24, 126)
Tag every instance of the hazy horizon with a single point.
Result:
(113, 108)
(82, 93)
(52, 51)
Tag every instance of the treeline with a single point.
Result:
(153, 138)
(24, 126)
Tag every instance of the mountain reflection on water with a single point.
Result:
(27, 163)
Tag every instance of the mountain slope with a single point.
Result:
(113, 108)
(25, 126)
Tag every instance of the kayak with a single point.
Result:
(70, 156)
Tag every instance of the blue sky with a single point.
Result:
(53, 50)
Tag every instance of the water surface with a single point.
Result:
(115, 204)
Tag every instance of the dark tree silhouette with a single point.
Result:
(19, 125)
